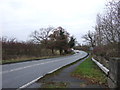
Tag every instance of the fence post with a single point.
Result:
(114, 73)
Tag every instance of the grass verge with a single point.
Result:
(54, 85)
(30, 59)
(90, 71)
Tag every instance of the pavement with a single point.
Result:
(64, 76)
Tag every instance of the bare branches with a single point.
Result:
(108, 25)
(42, 34)
(107, 31)
(90, 38)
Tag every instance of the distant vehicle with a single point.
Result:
(76, 51)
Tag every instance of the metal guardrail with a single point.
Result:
(104, 69)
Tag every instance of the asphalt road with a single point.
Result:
(20, 75)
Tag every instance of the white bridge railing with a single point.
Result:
(104, 69)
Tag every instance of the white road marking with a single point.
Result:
(54, 70)
(31, 82)
(20, 68)
(27, 84)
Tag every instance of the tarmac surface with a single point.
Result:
(64, 76)
(23, 74)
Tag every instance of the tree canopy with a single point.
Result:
(54, 39)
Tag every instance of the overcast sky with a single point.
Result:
(18, 18)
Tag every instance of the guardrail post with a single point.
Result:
(114, 73)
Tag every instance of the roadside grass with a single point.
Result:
(90, 71)
(58, 71)
(54, 85)
(23, 59)
(51, 84)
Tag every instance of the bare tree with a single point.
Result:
(90, 38)
(41, 35)
(107, 29)
(108, 25)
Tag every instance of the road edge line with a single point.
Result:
(27, 84)
(31, 82)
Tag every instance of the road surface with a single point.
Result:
(21, 75)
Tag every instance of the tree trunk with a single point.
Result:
(60, 50)
(52, 51)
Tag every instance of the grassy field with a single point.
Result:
(90, 71)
